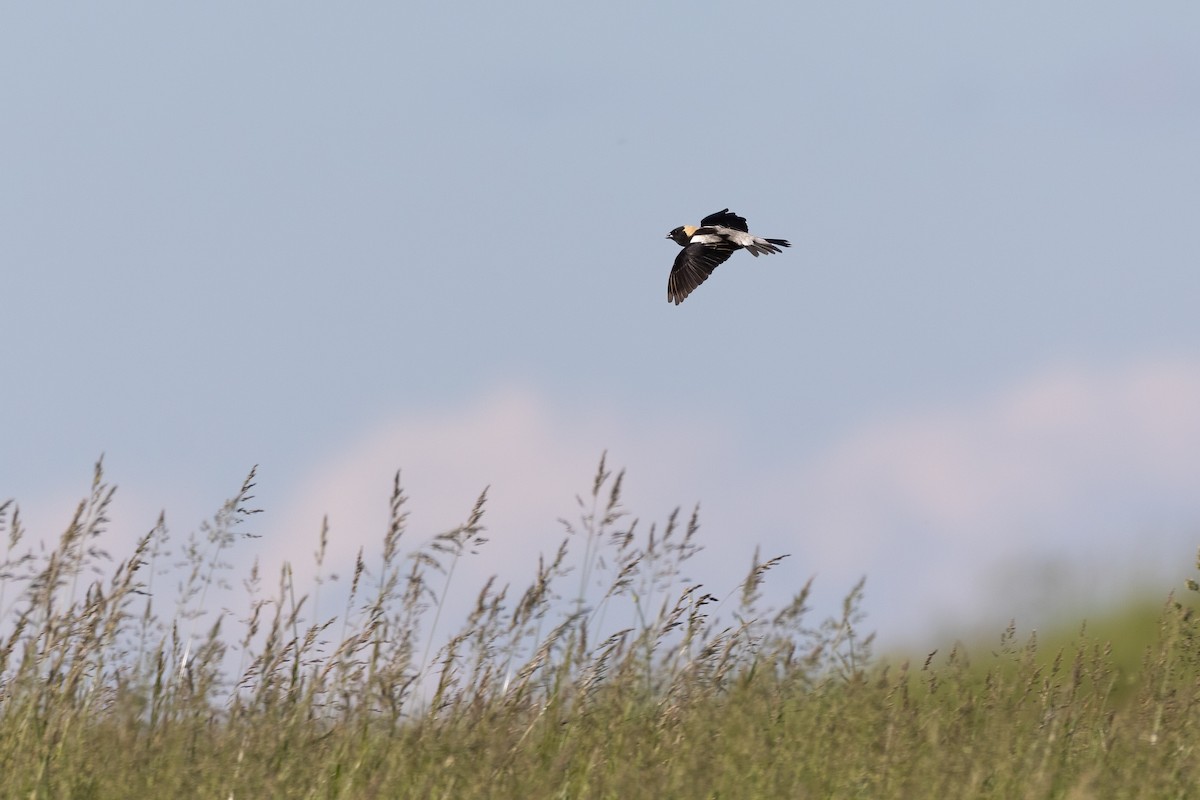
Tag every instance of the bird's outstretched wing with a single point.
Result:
(727, 219)
(692, 267)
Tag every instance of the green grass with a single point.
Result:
(608, 677)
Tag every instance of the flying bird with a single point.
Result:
(709, 246)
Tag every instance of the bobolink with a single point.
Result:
(707, 247)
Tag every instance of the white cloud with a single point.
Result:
(951, 513)
(1068, 487)
(1091, 470)
(533, 458)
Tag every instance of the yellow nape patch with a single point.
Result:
(690, 230)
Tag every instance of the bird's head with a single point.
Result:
(682, 235)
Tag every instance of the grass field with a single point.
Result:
(110, 688)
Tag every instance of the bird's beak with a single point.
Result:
(668, 236)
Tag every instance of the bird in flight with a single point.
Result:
(707, 247)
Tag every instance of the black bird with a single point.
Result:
(709, 246)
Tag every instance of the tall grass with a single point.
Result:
(609, 675)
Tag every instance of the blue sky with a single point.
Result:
(336, 242)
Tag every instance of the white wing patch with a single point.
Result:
(737, 237)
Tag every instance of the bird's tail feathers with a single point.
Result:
(766, 246)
